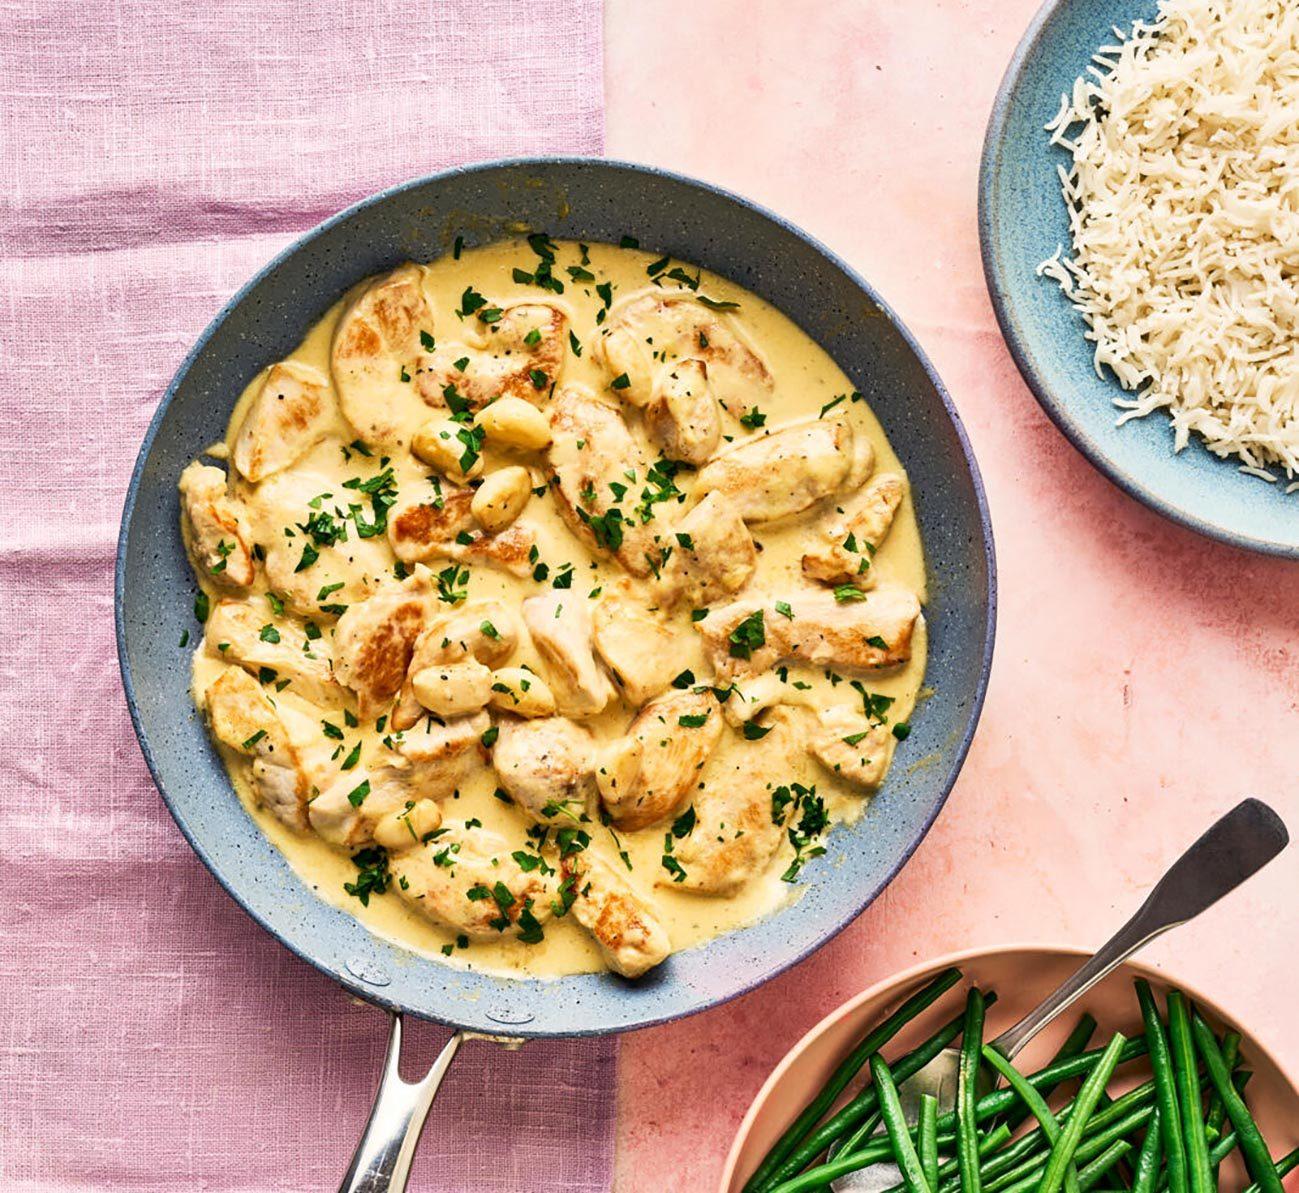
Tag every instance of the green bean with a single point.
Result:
(1064, 1148)
(895, 1124)
(1258, 1159)
(860, 1135)
(1199, 1179)
(1161, 1063)
(1075, 1042)
(847, 1070)
(1091, 1175)
(967, 1092)
(1217, 1109)
(1147, 1172)
(1033, 1100)
(1284, 1165)
(927, 1138)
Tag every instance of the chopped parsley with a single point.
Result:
(750, 634)
(372, 874)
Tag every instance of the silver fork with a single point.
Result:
(1234, 849)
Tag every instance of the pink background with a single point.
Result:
(1145, 678)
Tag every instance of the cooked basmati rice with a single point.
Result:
(1183, 201)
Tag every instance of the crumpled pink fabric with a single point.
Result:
(152, 157)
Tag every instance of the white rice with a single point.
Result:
(1183, 202)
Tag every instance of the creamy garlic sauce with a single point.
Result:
(806, 380)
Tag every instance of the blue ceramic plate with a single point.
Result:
(587, 200)
(1022, 220)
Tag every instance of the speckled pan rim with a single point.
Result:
(649, 1017)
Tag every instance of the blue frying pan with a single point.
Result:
(579, 199)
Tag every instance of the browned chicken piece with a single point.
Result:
(631, 940)
(736, 831)
(647, 775)
(559, 623)
(852, 747)
(849, 541)
(377, 353)
(713, 556)
(442, 526)
(453, 881)
(599, 472)
(487, 631)
(681, 416)
(519, 355)
(749, 636)
(786, 472)
(642, 651)
(273, 648)
(759, 693)
(546, 766)
(292, 412)
(433, 761)
(215, 528)
(653, 327)
(374, 641)
(244, 719)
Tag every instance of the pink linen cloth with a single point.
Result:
(154, 156)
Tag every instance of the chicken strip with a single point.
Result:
(374, 641)
(631, 940)
(487, 631)
(647, 775)
(215, 528)
(376, 354)
(751, 635)
(598, 469)
(275, 650)
(642, 651)
(466, 878)
(244, 719)
(546, 766)
(849, 541)
(713, 556)
(653, 328)
(786, 472)
(292, 412)
(736, 830)
(682, 417)
(443, 527)
(559, 623)
(519, 354)
(852, 747)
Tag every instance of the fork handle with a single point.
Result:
(1234, 849)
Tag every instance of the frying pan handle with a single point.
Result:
(382, 1159)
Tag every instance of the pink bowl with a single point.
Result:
(1021, 976)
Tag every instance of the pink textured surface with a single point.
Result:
(154, 157)
(1145, 678)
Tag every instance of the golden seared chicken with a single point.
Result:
(848, 542)
(751, 635)
(631, 939)
(374, 641)
(467, 879)
(713, 555)
(439, 524)
(243, 718)
(547, 767)
(599, 472)
(642, 651)
(273, 648)
(514, 351)
(559, 624)
(485, 631)
(647, 775)
(215, 528)
(377, 354)
(433, 761)
(681, 416)
(757, 693)
(654, 329)
(786, 472)
(292, 412)
(736, 829)
(316, 561)
(851, 747)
